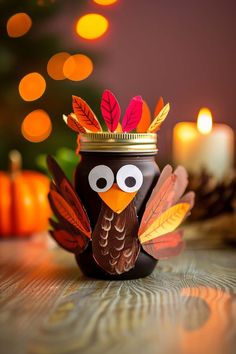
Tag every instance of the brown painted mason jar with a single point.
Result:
(116, 150)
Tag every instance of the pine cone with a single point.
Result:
(212, 198)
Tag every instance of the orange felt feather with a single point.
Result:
(85, 115)
(166, 222)
(165, 246)
(145, 120)
(160, 200)
(159, 106)
(156, 124)
(167, 192)
(119, 128)
(67, 213)
(72, 122)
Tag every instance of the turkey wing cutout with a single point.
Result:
(114, 240)
(73, 230)
(164, 212)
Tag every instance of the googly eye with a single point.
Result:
(129, 178)
(101, 178)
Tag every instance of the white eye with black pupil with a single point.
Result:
(101, 178)
(129, 178)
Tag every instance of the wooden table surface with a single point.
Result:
(187, 306)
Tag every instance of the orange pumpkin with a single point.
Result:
(24, 207)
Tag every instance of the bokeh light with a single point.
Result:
(32, 86)
(55, 65)
(18, 25)
(36, 126)
(78, 67)
(91, 26)
(105, 2)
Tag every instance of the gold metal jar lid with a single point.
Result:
(119, 142)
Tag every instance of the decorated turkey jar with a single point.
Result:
(119, 217)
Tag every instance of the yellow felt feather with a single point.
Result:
(166, 222)
(155, 126)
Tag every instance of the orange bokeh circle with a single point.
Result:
(55, 65)
(92, 26)
(36, 126)
(18, 25)
(105, 2)
(78, 67)
(32, 86)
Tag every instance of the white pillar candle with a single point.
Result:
(204, 146)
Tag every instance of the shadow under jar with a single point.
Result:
(116, 150)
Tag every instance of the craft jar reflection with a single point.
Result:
(116, 169)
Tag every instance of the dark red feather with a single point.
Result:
(66, 190)
(110, 110)
(133, 114)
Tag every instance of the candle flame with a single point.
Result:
(204, 121)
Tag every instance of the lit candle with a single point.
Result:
(204, 146)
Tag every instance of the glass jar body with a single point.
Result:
(92, 203)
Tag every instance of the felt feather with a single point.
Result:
(85, 115)
(169, 188)
(156, 124)
(166, 222)
(161, 199)
(65, 211)
(72, 122)
(159, 106)
(72, 242)
(145, 120)
(110, 110)
(165, 246)
(119, 128)
(133, 114)
(65, 189)
(165, 173)
(181, 183)
(188, 198)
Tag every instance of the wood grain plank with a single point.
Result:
(48, 306)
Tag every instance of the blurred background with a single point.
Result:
(182, 50)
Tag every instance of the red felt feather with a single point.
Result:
(68, 241)
(110, 110)
(133, 114)
(165, 246)
(85, 115)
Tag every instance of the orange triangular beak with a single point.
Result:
(117, 199)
